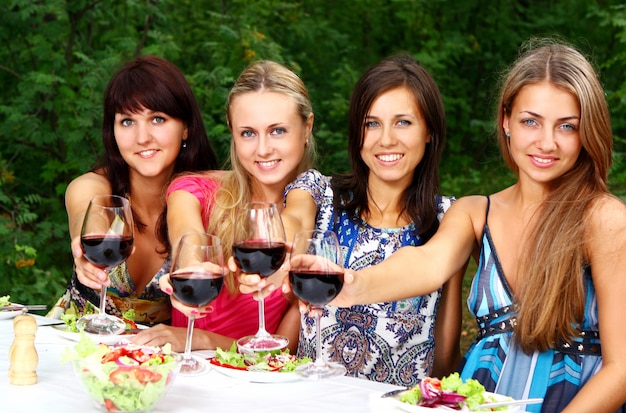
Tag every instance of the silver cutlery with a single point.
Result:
(393, 392)
(19, 307)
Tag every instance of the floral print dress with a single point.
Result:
(391, 342)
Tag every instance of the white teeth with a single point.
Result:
(389, 158)
(147, 153)
(267, 164)
(542, 160)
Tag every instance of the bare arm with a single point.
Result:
(208, 340)
(77, 196)
(443, 256)
(448, 327)
(183, 215)
(299, 213)
(606, 247)
(202, 339)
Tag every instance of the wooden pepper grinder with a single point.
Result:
(23, 356)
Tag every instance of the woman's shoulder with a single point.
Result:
(312, 175)
(471, 202)
(309, 178)
(607, 213)
(91, 182)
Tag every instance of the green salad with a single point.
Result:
(452, 392)
(5, 300)
(123, 378)
(279, 361)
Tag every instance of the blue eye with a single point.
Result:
(158, 119)
(404, 122)
(247, 134)
(371, 124)
(279, 131)
(529, 122)
(126, 122)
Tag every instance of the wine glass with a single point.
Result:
(318, 285)
(106, 239)
(197, 277)
(259, 248)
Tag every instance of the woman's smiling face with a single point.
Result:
(395, 137)
(269, 136)
(149, 141)
(544, 127)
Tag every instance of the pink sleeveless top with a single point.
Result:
(235, 315)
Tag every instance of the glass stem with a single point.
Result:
(190, 323)
(319, 361)
(262, 331)
(103, 300)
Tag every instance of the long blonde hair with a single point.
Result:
(551, 295)
(235, 189)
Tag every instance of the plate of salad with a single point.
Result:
(8, 309)
(449, 393)
(70, 331)
(266, 367)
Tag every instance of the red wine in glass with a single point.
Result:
(197, 277)
(316, 287)
(107, 241)
(260, 257)
(259, 248)
(195, 288)
(106, 251)
(317, 283)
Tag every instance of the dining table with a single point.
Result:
(59, 390)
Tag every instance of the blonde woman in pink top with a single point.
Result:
(271, 120)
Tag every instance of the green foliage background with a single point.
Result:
(57, 57)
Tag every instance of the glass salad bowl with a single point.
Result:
(125, 378)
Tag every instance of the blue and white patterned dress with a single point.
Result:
(501, 366)
(391, 342)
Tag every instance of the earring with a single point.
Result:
(508, 134)
(306, 142)
(184, 144)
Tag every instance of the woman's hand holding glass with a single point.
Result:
(106, 240)
(196, 278)
(317, 280)
(260, 248)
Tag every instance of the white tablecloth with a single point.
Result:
(58, 390)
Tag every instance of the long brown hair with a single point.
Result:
(419, 199)
(153, 83)
(235, 188)
(551, 296)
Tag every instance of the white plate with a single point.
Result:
(410, 408)
(256, 376)
(105, 339)
(6, 315)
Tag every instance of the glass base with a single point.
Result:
(250, 344)
(323, 370)
(192, 366)
(101, 324)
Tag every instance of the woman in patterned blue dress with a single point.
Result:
(391, 199)
(549, 291)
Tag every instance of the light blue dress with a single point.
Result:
(495, 360)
